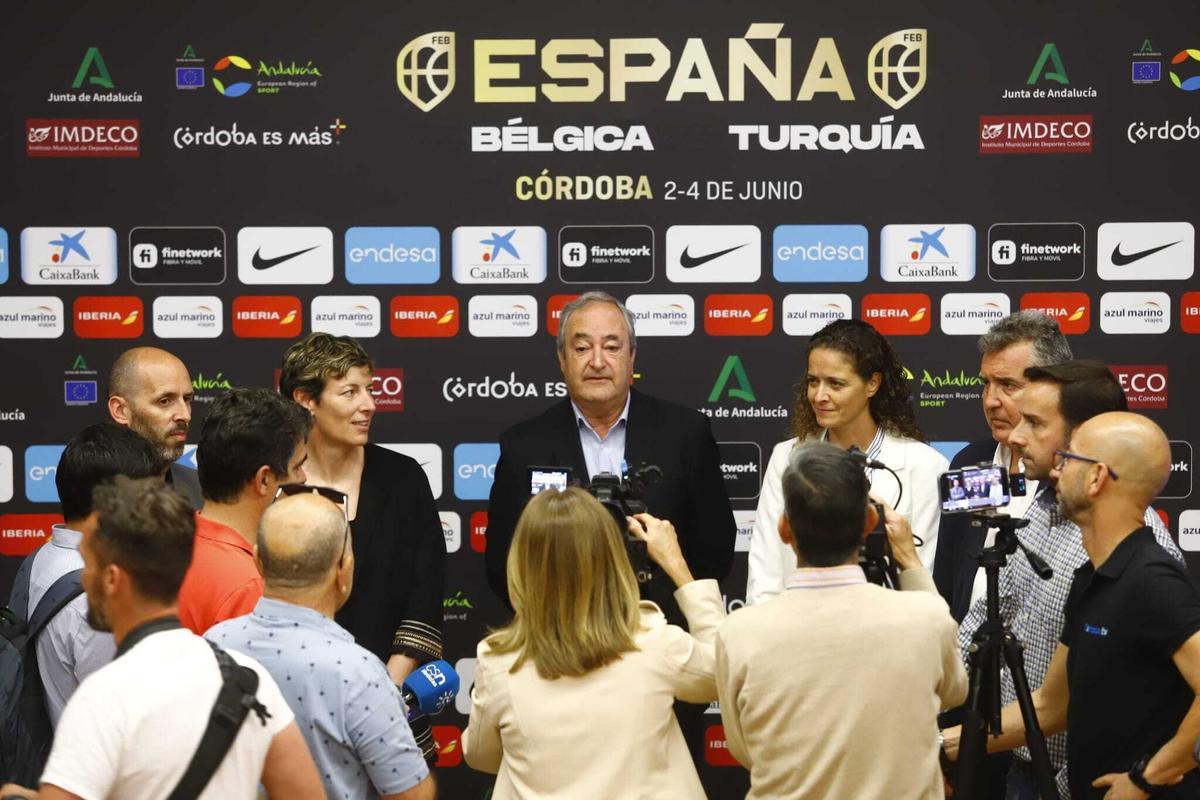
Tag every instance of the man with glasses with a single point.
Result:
(349, 712)
(1057, 401)
(252, 441)
(1125, 676)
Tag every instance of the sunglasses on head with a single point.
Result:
(331, 494)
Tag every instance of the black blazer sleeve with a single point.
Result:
(709, 543)
(509, 490)
(418, 633)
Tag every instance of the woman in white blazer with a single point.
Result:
(853, 393)
(573, 699)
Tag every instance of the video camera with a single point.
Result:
(623, 496)
(875, 555)
(979, 488)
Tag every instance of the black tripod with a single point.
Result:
(993, 639)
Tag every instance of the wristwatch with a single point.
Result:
(1138, 779)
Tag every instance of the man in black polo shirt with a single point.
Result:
(1125, 678)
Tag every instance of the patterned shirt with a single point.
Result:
(1033, 608)
(346, 706)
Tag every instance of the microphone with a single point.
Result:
(430, 688)
(861, 457)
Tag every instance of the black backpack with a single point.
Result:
(25, 730)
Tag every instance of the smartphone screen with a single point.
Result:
(974, 488)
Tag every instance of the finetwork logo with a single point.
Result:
(820, 253)
(108, 317)
(1145, 385)
(1036, 251)
(393, 255)
(972, 314)
(177, 256)
(1071, 310)
(927, 253)
(662, 314)
(188, 317)
(1039, 133)
(1189, 312)
(898, 314)
(424, 316)
(41, 465)
(267, 317)
(805, 314)
(429, 458)
(1135, 312)
(606, 254)
(499, 255)
(31, 318)
(1179, 482)
(499, 315)
(358, 316)
(285, 255)
(1145, 251)
(475, 469)
(83, 138)
(741, 467)
(738, 314)
(68, 255)
(714, 253)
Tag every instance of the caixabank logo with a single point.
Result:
(738, 314)
(68, 255)
(108, 317)
(503, 254)
(424, 316)
(898, 314)
(267, 317)
(927, 253)
(1071, 310)
(1145, 385)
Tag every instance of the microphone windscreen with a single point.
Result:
(434, 686)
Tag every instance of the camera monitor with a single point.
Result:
(974, 489)
(543, 478)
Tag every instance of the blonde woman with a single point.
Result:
(574, 697)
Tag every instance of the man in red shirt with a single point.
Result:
(252, 441)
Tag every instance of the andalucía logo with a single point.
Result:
(267, 317)
(424, 316)
(1071, 310)
(898, 314)
(109, 317)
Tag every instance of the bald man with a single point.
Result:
(345, 703)
(150, 392)
(1125, 678)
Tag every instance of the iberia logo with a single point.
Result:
(267, 317)
(479, 520)
(1071, 310)
(448, 739)
(716, 749)
(897, 314)
(108, 317)
(1189, 312)
(424, 316)
(554, 309)
(738, 315)
(21, 534)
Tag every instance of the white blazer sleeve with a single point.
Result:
(770, 560)
(925, 465)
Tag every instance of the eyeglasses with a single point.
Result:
(1062, 456)
(333, 495)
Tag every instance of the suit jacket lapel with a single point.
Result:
(639, 432)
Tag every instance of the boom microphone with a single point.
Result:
(430, 688)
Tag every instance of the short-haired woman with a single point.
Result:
(574, 697)
(853, 394)
(395, 610)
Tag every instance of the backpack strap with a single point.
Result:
(56, 598)
(18, 601)
(235, 701)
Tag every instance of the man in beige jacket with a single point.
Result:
(832, 689)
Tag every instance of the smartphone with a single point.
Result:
(543, 478)
(975, 489)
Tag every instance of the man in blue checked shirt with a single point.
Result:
(1057, 400)
(345, 703)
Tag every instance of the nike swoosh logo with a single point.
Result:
(258, 262)
(688, 261)
(1120, 259)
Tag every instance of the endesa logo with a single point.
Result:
(716, 749)
(21, 534)
(393, 255)
(1071, 310)
(1043, 133)
(1145, 385)
(554, 309)
(109, 317)
(1189, 312)
(897, 314)
(478, 537)
(424, 316)
(41, 465)
(267, 317)
(475, 469)
(83, 138)
(738, 315)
